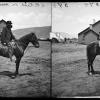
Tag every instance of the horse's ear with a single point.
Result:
(33, 33)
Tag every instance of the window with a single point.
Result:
(83, 37)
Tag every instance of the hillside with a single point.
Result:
(41, 32)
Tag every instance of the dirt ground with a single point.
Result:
(69, 72)
(34, 74)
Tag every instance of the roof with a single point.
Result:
(88, 28)
(92, 31)
(2, 21)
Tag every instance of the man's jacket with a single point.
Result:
(6, 35)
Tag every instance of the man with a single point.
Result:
(7, 37)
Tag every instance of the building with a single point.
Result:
(90, 34)
(60, 36)
(2, 24)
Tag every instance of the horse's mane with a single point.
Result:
(26, 36)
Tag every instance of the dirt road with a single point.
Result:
(70, 78)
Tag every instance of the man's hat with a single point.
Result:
(8, 22)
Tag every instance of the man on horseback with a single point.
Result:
(7, 36)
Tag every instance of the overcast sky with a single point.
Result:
(24, 17)
(74, 18)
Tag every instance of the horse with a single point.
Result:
(19, 47)
(92, 50)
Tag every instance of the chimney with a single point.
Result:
(94, 21)
(91, 26)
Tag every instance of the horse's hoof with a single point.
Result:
(90, 73)
(13, 76)
(93, 72)
(15, 73)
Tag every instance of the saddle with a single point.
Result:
(12, 44)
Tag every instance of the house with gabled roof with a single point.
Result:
(90, 34)
(2, 24)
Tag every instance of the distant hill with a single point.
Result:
(41, 32)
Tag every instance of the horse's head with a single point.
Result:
(34, 40)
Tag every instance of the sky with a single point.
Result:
(74, 18)
(31, 15)
(70, 20)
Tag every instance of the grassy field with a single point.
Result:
(70, 78)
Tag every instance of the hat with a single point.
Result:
(8, 22)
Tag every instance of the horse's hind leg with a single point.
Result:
(89, 64)
(90, 67)
(92, 70)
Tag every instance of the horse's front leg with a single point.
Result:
(17, 65)
(92, 69)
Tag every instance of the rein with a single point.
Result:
(24, 45)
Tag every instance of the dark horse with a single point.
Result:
(93, 49)
(19, 47)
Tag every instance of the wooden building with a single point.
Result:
(2, 24)
(90, 34)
